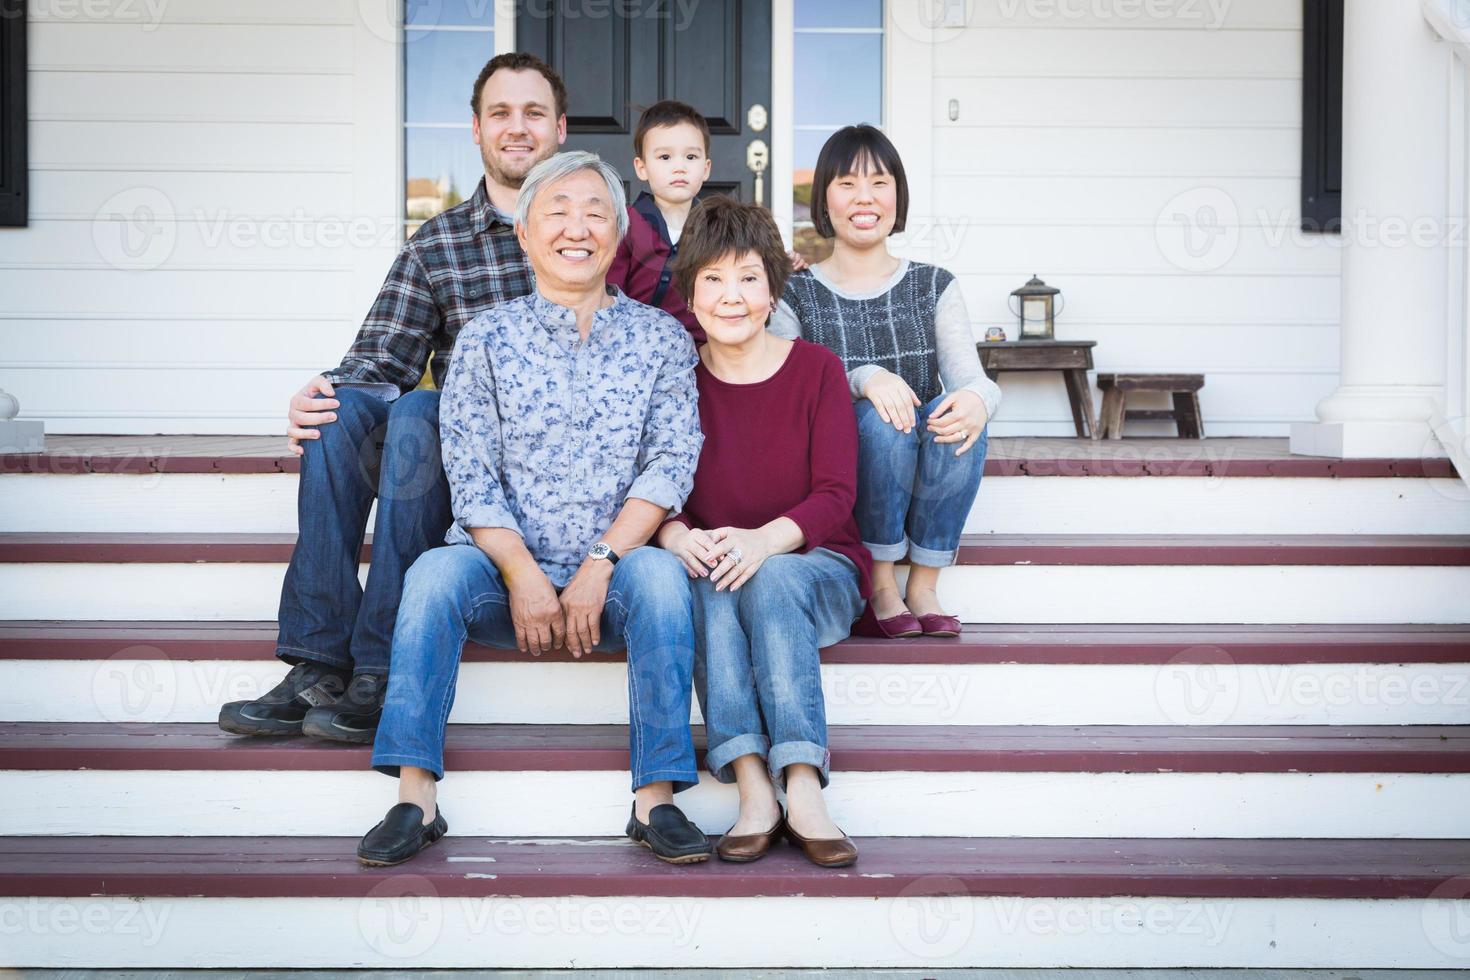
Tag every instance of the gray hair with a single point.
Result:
(554, 168)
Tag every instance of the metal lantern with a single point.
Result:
(1035, 305)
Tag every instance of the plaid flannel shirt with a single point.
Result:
(459, 264)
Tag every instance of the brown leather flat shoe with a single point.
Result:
(745, 848)
(838, 853)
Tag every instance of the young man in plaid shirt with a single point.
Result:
(363, 432)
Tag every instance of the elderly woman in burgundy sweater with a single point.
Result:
(768, 537)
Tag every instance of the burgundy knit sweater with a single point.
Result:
(783, 447)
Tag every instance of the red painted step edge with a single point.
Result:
(323, 867)
(1208, 463)
(855, 748)
(978, 644)
(996, 549)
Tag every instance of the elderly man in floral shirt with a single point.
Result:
(570, 430)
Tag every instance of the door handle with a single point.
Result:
(758, 158)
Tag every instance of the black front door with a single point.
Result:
(620, 56)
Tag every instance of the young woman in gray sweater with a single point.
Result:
(923, 401)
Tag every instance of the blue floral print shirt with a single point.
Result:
(547, 435)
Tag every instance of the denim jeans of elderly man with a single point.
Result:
(455, 593)
(757, 671)
(913, 493)
(388, 452)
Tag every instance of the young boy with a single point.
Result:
(671, 153)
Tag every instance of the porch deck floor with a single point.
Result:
(1006, 456)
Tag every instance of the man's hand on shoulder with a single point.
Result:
(582, 602)
(312, 406)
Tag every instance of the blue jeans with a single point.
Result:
(913, 493)
(373, 450)
(456, 592)
(758, 673)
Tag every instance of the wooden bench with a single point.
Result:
(1183, 387)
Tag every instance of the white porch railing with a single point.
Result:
(1451, 19)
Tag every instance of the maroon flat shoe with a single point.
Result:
(936, 625)
(902, 626)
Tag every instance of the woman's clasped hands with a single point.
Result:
(727, 556)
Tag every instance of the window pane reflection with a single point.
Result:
(440, 69)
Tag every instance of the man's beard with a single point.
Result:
(507, 178)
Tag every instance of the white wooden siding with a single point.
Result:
(1078, 125)
(266, 138)
(263, 140)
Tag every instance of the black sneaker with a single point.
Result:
(354, 717)
(280, 712)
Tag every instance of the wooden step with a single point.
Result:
(915, 748)
(267, 867)
(1033, 781)
(975, 550)
(1002, 643)
(1030, 456)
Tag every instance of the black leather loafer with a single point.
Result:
(670, 835)
(400, 835)
(354, 718)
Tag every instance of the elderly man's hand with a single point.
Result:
(535, 611)
(581, 603)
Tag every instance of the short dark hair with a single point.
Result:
(669, 112)
(519, 61)
(719, 226)
(847, 150)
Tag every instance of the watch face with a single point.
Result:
(599, 551)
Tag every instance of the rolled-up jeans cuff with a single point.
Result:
(887, 552)
(718, 759)
(784, 754)
(930, 558)
(297, 655)
(681, 778)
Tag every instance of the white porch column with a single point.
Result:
(1395, 158)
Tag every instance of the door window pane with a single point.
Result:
(838, 81)
(440, 69)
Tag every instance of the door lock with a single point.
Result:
(758, 158)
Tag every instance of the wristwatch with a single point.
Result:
(601, 551)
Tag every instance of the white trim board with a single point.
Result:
(201, 502)
(865, 804)
(397, 927)
(121, 690)
(977, 594)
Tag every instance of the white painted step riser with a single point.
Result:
(124, 690)
(189, 502)
(409, 926)
(595, 803)
(977, 594)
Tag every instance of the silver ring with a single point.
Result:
(734, 555)
(964, 434)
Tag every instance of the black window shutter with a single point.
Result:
(1322, 115)
(13, 113)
